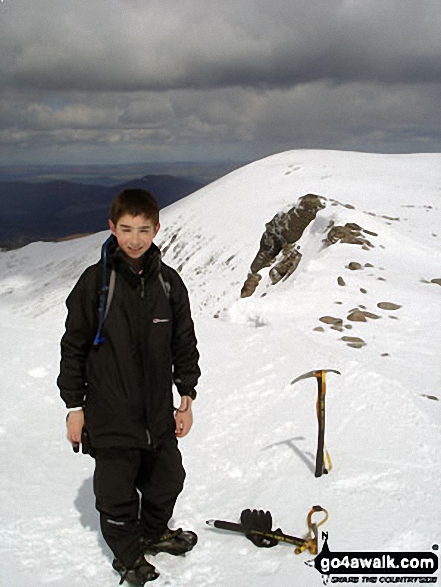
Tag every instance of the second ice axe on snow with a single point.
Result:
(322, 454)
(257, 527)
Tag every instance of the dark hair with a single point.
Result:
(136, 202)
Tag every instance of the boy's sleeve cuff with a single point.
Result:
(190, 392)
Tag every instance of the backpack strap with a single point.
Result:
(165, 285)
(110, 292)
(106, 297)
(107, 291)
(99, 338)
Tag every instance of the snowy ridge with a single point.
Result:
(254, 439)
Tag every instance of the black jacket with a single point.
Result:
(125, 383)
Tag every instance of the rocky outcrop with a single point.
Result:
(250, 285)
(281, 234)
(288, 264)
(350, 233)
(286, 228)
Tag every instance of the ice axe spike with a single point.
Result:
(320, 375)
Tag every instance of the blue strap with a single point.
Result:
(107, 291)
(99, 338)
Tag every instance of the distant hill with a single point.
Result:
(115, 174)
(57, 209)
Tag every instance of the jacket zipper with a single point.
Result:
(147, 431)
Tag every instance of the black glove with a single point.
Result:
(260, 521)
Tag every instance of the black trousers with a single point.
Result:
(136, 491)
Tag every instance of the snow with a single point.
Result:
(254, 438)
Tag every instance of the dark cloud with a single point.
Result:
(123, 46)
(238, 74)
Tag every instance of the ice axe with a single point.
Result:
(320, 375)
(257, 524)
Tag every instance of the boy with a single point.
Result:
(118, 364)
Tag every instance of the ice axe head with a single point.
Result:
(317, 373)
(311, 541)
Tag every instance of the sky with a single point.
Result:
(121, 81)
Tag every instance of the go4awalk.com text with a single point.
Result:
(376, 567)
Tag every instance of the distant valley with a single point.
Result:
(51, 210)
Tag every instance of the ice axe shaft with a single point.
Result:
(320, 375)
(277, 534)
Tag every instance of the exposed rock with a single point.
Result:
(319, 329)
(331, 320)
(286, 228)
(280, 234)
(288, 264)
(354, 266)
(390, 218)
(350, 233)
(341, 281)
(357, 316)
(370, 315)
(388, 306)
(337, 203)
(361, 316)
(363, 291)
(250, 285)
(430, 397)
(354, 341)
(437, 281)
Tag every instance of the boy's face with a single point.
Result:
(134, 234)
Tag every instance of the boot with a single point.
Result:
(141, 572)
(173, 542)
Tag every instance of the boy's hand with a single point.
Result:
(75, 423)
(184, 417)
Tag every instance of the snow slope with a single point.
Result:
(254, 438)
